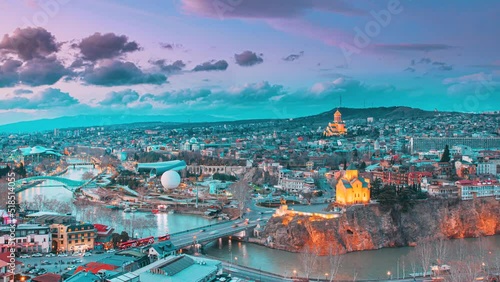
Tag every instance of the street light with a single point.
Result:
(294, 273)
(326, 276)
(389, 275)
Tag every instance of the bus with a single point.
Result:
(137, 243)
(164, 237)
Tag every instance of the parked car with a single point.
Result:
(110, 251)
(41, 271)
(49, 255)
(62, 255)
(71, 267)
(99, 252)
(87, 254)
(24, 256)
(37, 255)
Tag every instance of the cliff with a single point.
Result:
(369, 227)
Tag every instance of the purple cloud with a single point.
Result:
(106, 46)
(42, 71)
(175, 67)
(114, 73)
(248, 58)
(293, 57)
(220, 65)
(29, 43)
(8, 73)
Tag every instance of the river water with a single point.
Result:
(165, 223)
(364, 265)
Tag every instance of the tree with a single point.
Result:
(445, 158)
(375, 189)
(334, 260)
(424, 254)
(362, 166)
(309, 259)
(387, 198)
(241, 193)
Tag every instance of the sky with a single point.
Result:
(242, 59)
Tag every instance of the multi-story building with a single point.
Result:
(30, 238)
(468, 189)
(294, 184)
(73, 237)
(487, 168)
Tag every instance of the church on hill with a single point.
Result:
(352, 189)
(337, 127)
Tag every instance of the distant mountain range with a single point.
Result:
(106, 120)
(94, 120)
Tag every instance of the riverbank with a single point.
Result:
(370, 228)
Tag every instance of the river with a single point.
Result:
(365, 265)
(165, 223)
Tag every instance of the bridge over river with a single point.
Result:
(70, 184)
(207, 234)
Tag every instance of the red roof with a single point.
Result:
(101, 227)
(5, 257)
(47, 277)
(94, 267)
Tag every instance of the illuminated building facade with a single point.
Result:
(352, 189)
(337, 127)
(73, 237)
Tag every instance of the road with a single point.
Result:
(210, 233)
(251, 274)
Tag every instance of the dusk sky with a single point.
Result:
(241, 59)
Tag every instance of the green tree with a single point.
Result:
(375, 188)
(445, 158)
(388, 198)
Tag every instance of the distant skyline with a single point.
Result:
(243, 59)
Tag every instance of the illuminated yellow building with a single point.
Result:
(78, 236)
(352, 189)
(337, 127)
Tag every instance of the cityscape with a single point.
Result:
(249, 140)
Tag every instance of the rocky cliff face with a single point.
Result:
(369, 228)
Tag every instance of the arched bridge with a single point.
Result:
(69, 184)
